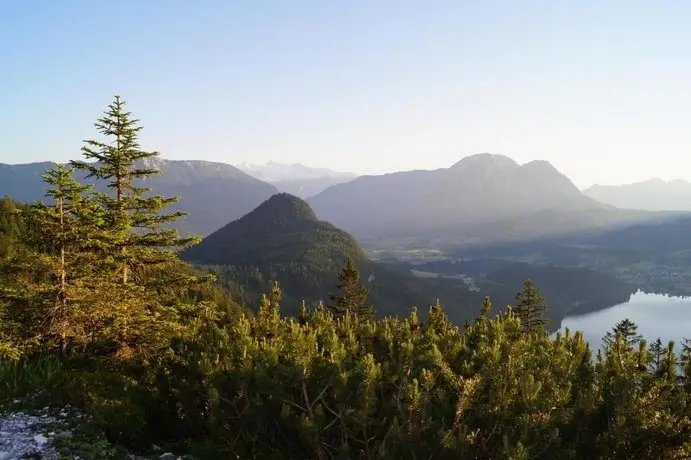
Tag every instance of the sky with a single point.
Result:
(599, 88)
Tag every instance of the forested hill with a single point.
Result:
(282, 240)
(281, 232)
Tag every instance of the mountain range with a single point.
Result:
(295, 178)
(653, 194)
(481, 198)
(212, 193)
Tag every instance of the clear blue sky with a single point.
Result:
(602, 89)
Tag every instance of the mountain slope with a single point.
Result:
(282, 240)
(274, 233)
(482, 196)
(23, 182)
(654, 195)
(211, 193)
(296, 179)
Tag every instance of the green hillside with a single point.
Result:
(282, 240)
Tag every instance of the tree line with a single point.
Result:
(156, 352)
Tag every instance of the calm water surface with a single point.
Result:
(656, 316)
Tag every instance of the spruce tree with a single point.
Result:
(138, 237)
(530, 308)
(657, 352)
(137, 264)
(53, 284)
(627, 330)
(353, 298)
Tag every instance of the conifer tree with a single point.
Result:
(530, 308)
(135, 219)
(353, 298)
(668, 367)
(137, 260)
(53, 283)
(685, 363)
(627, 329)
(657, 352)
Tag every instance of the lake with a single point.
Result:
(656, 315)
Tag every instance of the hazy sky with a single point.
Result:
(602, 89)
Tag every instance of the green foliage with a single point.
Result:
(134, 220)
(626, 331)
(22, 377)
(48, 288)
(353, 298)
(322, 387)
(11, 227)
(100, 278)
(530, 308)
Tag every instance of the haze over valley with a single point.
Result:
(297, 179)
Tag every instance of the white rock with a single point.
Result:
(40, 440)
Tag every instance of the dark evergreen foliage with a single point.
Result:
(11, 227)
(626, 331)
(353, 297)
(531, 308)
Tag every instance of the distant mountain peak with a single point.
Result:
(485, 159)
(542, 165)
(154, 163)
(274, 171)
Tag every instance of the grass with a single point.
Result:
(28, 376)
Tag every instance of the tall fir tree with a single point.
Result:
(138, 261)
(135, 219)
(656, 354)
(353, 298)
(530, 308)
